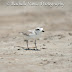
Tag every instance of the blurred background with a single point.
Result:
(19, 18)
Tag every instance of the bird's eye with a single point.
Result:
(37, 29)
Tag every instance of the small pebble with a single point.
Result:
(1, 58)
(54, 62)
(45, 38)
(43, 48)
(56, 53)
(61, 54)
(18, 49)
(9, 62)
(44, 45)
(48, 41)
(68, 60)
(70, 34)
(38, 39)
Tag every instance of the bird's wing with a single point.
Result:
(31, 31)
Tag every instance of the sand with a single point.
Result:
(54, 52)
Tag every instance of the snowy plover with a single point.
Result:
(33, 34)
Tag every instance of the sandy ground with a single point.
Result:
(54, 52)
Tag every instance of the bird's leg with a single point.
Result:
(27, 44)
(35, 44)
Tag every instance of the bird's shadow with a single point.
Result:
(24, 48)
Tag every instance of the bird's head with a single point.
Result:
(39, 30)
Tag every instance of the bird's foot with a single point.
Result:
(27, 49)
(36, 48)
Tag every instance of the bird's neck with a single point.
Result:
(37, 33)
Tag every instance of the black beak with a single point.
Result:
(43, 31)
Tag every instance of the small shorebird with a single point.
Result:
(32, 34)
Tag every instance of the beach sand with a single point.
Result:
(54, 52)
